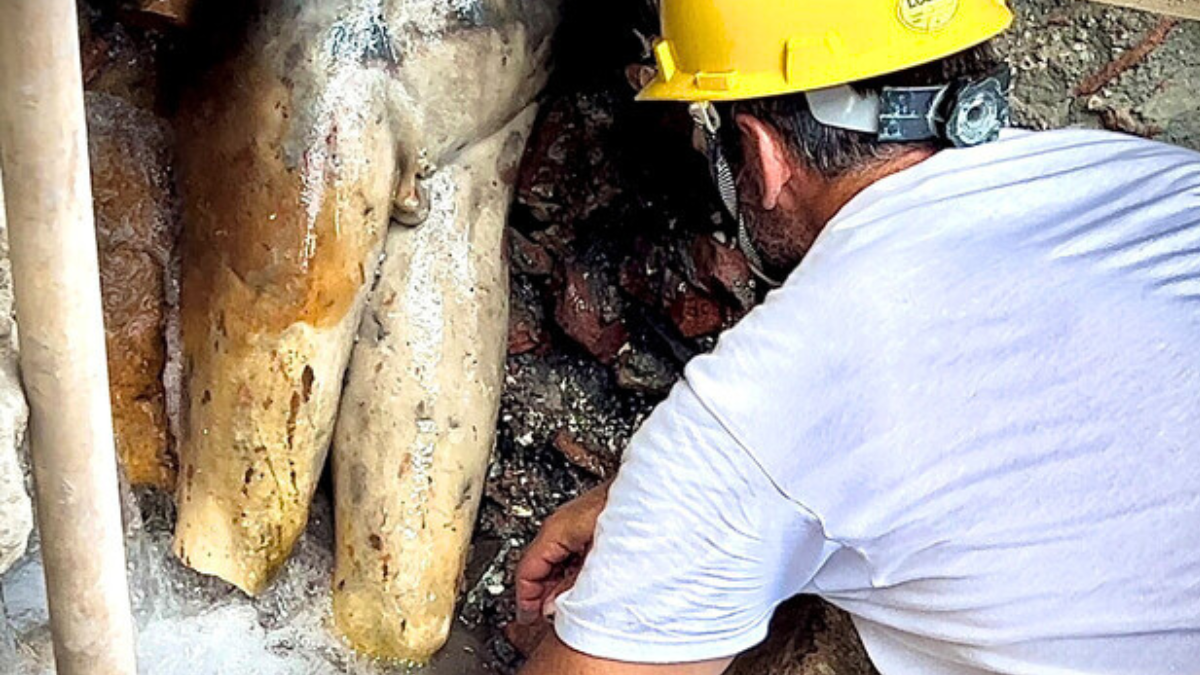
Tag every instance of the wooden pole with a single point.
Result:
(43, 152)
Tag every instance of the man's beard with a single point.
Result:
(781, 242)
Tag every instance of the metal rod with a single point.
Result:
(44, 160)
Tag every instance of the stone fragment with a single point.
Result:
(526, 331)
(121, 61)
(568, 174)
(641, 274)
(523, 337)
(529, 257)
(171, 12)
(582, 313)
(723, 270)
(694, 313)
(644, 372)
(581, 455)
(136, 224)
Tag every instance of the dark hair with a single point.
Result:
(832, 151)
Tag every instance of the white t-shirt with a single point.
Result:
(971, 418)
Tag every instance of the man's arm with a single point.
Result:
(555, 658)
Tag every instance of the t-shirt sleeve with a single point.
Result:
(694, 550)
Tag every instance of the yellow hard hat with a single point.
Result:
(725, 50)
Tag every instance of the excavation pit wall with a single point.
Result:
(617, 280)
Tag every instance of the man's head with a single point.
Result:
(820, 99)
(795, 172)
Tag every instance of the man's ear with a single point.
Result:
(765, 152)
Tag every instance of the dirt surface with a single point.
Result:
(619, 276)
(1057, 44)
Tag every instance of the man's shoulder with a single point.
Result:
(961, 205)
(1058, 164)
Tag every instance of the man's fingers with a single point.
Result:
(542, 560)
(529, 601)
(551, 591)
(536, 573)
(565, 538)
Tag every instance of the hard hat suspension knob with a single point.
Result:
(981, 110)
(967, 113)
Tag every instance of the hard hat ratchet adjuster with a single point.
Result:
(977, 111)
(965, 113)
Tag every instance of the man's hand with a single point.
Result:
(553, 560)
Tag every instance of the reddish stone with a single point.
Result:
(723, 269)
(638, 283)
(555, 239)
(525, 335)
(581, 315)
(565, 176)
(641, 274)
(164, 13)
(93, 57)
(581, 455)
(695, 314)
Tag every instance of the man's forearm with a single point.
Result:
(555, 658)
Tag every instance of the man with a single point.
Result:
(970, 417)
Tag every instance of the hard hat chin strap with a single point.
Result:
(965, 113)
(708, 121)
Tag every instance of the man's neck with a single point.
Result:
(835, 193)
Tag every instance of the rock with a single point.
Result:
(644, 372)
(556, 239)
(723, 270)
(585, 311)
(526, 330)
(529, 257)
(524, 336)
(641, 274)
(120, 61)
(16, 510)
(582, 456)
(694, 313)
(171, 12)
(568, 174)
(136, 223)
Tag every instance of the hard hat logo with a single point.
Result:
(927, 16)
